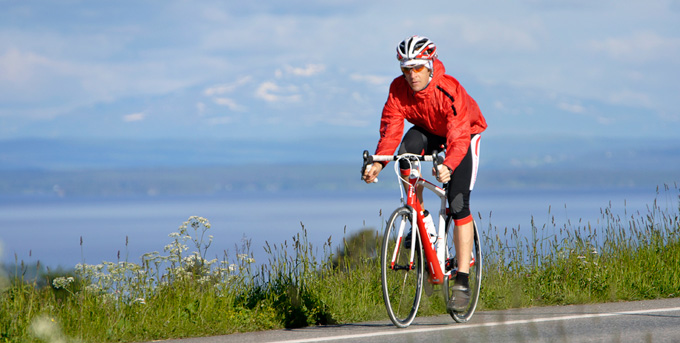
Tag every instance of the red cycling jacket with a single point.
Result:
(443, 108)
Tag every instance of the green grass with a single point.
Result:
(179, 293)
(632, 258)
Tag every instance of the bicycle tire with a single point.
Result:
(401, 285)
(475, 274)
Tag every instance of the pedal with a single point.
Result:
(451, 264)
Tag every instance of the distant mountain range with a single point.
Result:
(157, 167)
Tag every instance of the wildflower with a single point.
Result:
(245, 258)
(151, 255)
(140, 301)
(62, 282)
(93, 288)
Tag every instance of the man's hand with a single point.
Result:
(372, 171)
(444, 173)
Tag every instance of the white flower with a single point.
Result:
(62, 282)
(94, 288)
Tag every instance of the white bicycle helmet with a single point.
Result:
(416, 50)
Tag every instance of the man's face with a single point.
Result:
(417, 77)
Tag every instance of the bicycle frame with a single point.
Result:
(435, 257)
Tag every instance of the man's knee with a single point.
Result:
(459, 205)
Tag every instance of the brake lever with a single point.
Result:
(363, 168)
(368, 164)
(436, 161)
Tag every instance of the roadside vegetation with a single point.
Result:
(182, 292)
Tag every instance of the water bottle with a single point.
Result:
(429, 225)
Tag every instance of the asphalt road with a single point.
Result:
(643, 321)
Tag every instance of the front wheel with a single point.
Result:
(475, 273)
(402, 270)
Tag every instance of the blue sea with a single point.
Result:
(50, 230)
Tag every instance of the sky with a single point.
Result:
(311, 70)
(300, 73)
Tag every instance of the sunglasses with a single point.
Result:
(417, 69)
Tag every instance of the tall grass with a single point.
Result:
(180, 293)
(629, 258)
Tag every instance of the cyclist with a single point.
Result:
(444, 116)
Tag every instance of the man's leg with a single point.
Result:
(462, 182)
(463, 240)
(417, 141)
(463, 236)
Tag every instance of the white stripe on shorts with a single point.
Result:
(474, 145)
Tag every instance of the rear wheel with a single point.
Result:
(475, 273)
(402, 277)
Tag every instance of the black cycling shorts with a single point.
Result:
(420, 141)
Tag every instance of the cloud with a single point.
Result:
(348, 119)
(220, 120)
(200, 107)
(307, 71)
(219, 89)
(639, 47)
(561, 4)
(226, 87)
(26, 76)
(631, 98)
(375, 80)
(499, 36)
(133, 117)
(271, 92)
(18, 67)
(229, 103)
(623, 53)
(217, 92)
(471, 34)
(569, 107)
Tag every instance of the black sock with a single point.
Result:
(463, 279)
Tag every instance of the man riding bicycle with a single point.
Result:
(444, 117)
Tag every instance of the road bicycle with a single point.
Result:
(404, 259)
